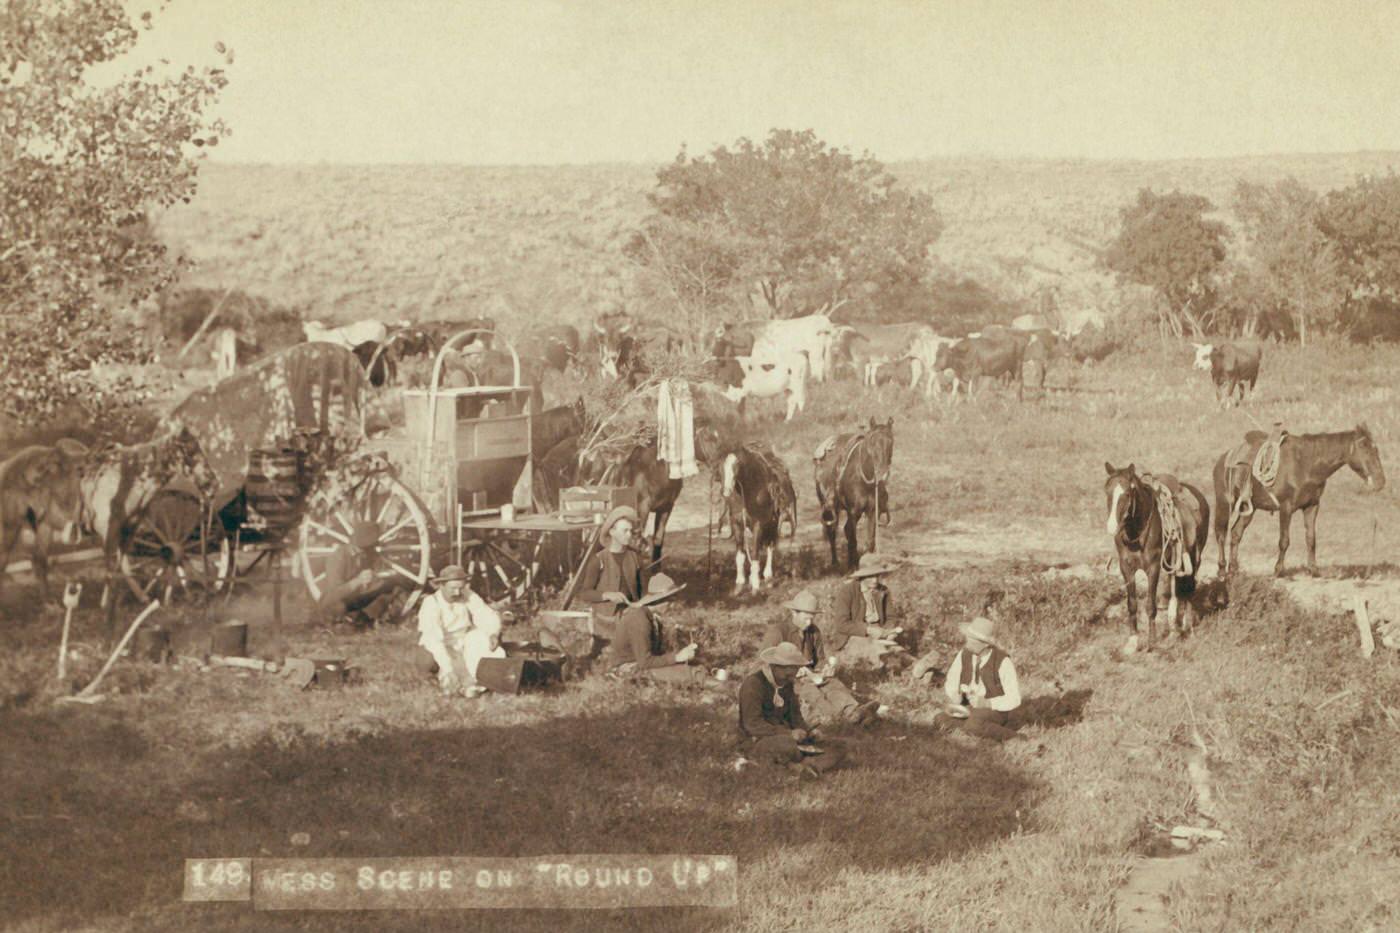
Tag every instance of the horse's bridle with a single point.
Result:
(1131, 512)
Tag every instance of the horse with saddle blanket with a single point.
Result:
(851, 471)
(1158, 524)
(1285, 473)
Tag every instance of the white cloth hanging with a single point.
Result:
(675, 428)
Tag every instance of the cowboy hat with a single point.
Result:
(871, 566)
(783, 654)
(450, 573)
(982, 629)
(659, 587)
(364, 534)
(804, 601)
(620, 512)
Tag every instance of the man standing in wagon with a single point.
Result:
(456, 629)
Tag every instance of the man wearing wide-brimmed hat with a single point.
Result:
(638, 646)
(358, 587)
(860, 633)
(981, 685)
(824, 698)
(456, 629)
(771, 726)
(612, 579)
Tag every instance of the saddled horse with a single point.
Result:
(758, 493)
(1305, 463)
(851, 471)
(1145, 542)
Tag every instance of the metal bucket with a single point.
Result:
(331, 673)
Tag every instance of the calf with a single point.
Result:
(1231, 365)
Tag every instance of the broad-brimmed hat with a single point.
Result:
(871, 566)
(982, 629)
(804, 601)
(783, 654)
(364, 534)
(659, 587)
(450, 573)
(620, 512)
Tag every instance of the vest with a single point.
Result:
(990, 674)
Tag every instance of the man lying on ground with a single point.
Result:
(981, 686)
(456, 629)
(771, 727)
(824, 698)
(638, 647)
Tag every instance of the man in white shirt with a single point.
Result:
(456, 629)
(981, 685)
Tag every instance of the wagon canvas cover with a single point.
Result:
(268, 404)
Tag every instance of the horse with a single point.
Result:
(850, 472)
(1135, 521)
(1305, 463)
(758, 492)
(656, 491)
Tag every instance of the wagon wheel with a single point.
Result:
(502, 565)
(166, 556)
(404, 536)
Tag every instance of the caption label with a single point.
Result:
(550, 881)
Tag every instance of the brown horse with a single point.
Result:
(850, 472)
(1305, 463)
(1135, 521)
(656, 491)
(758, 493)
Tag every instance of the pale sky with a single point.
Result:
(578, 81)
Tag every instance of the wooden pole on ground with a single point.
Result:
(88, 691)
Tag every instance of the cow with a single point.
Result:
(380, 361)
(556, 346)
(812, 334)
(987, 356)
(1231, 366)
(923, 354)
(771, 376)
(870, 346)
(348, 336)
(623, 344)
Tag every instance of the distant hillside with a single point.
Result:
(346, 242)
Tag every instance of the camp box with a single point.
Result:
(596, 499)
(526, 665)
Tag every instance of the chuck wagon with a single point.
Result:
(295, 471)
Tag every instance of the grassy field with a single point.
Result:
(101, 804)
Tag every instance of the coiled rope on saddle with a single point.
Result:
(1176, 559)
(1263, 468)
(776, 479)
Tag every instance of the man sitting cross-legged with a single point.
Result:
(981, 686)
(824, 698)
(771, 727)
(638, 646)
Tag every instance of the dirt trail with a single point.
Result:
(1142, 904)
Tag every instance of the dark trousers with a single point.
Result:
(782, 749)
(988, 724)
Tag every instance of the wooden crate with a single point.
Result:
(596, 498)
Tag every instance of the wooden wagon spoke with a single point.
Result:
(388, 501)
(348, 526)
(320, 549)
(324, 529)
(403, 523)
(401, 569)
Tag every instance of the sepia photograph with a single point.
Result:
(699, 465)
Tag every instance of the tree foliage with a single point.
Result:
(1167, 243)
(81, 168)
(791, 222)
(1363, 222)
(1287, 267)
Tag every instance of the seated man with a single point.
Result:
(981, 685)
(638, 645)
(359, 587)
(771, 727)
(612, 578)
(824, 698)
(860, 630)
(456, 629)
